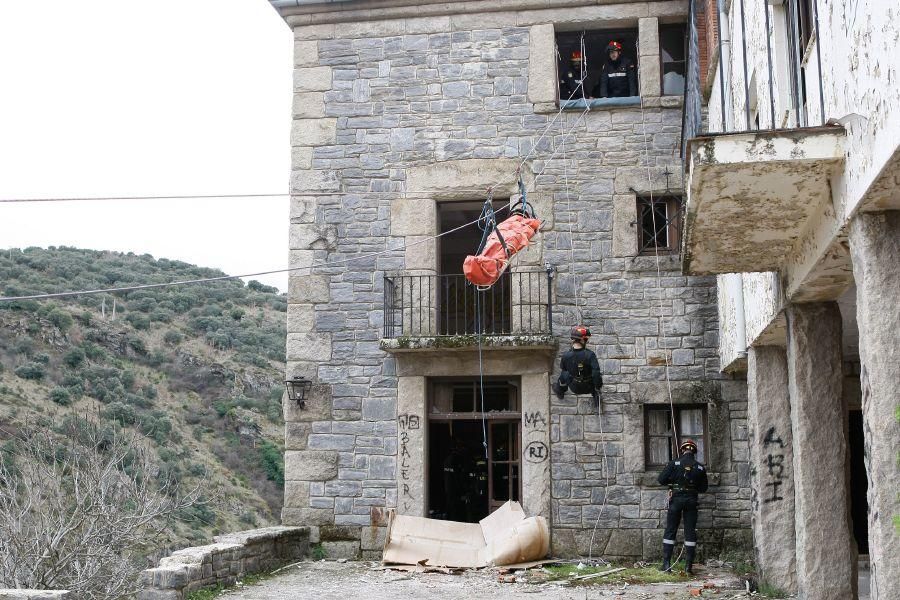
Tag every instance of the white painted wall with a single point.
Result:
(860, 57)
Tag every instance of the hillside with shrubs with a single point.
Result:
(194, 371)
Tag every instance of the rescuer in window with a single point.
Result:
(686, 478)
(618, 77)
(579, 369)
(570, 78)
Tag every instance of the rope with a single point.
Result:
(605, 481)
(478, 325)
(660, 290)
(310, 268)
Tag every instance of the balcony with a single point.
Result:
(441, 312)
(759, 161)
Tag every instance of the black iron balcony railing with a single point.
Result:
(754, 76)
(519, 303)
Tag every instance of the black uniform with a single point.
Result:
(617, 79)
(569, 78)
(579, 372)
(686, 478)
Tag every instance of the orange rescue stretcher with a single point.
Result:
(500, 242)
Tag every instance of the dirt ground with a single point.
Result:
(331, 580)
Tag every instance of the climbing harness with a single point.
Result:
(500, 242)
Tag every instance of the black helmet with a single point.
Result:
(580, 332)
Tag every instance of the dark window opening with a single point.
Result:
(673, 53)
(593, 56)
(455, 297)
(660, 445)
(466, 482)
(659, 224)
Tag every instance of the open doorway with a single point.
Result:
(455, 296)
(466, 481)
(859, 483)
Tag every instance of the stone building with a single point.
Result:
(793, 191)
(404, 116)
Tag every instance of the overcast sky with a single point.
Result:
(140, 97)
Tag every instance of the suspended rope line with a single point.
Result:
(171, 197)
(661, 303)
(479, 324)
(310, 268)
(661, 316)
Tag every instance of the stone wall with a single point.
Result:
(34, 595)
(394, 116)
(222, 563)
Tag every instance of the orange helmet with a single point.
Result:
(688, 446)
(576, 55)
(580, 332)
(614, 45)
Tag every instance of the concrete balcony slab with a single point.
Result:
(751, 196)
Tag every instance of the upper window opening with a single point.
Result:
(659, 224)
(673, 51)
(606, 62)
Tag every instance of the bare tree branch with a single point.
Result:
(79, 512)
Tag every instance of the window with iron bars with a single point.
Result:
(658, 224)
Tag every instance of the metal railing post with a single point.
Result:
(765, 4)
(819, 61)
(744, 60)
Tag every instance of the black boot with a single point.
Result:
(689, 559)
(667, 558)
(558, 390)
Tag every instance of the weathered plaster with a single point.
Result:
(751, 194)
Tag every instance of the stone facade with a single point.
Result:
(395, 115)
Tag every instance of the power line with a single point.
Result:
(310, 268)
(173, 197)
(276, 271)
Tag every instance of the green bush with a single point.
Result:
(136, 344)
(124, 414)
(61, 319)
(92, 351)
(272, 461)
(32, 370)
(61, 396)
(172, 337)
(42, 358)
(138, 320)
(74, 357)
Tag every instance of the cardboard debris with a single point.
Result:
(505, 537)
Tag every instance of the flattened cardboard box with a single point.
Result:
(505, 537)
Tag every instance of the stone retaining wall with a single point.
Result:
(223, 562)
(34, 594)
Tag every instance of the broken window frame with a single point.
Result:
(595, 43)
(671, 223)
(664, 64)
(702, 439)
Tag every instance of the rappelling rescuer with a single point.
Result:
(579, 368)
(686, 478)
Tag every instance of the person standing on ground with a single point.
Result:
(686, 478)
(579, 368)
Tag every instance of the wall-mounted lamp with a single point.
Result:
(297, 389)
